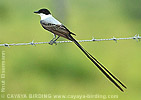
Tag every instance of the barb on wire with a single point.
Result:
(136, 37)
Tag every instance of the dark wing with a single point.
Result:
(59, 30)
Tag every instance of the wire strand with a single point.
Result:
(136, 37)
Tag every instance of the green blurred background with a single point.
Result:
(63, 69)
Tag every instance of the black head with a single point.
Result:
(43, 11)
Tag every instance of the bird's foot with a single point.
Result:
(52, 42)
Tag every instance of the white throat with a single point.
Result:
(43, 16)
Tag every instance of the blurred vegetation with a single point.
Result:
(63, 69)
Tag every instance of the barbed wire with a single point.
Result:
(136, 37)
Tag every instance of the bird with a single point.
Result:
(51, 24)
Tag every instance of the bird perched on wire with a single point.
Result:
(51, 24)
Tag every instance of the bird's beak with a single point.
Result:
(36, 12)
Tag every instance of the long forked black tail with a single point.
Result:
(103, 69)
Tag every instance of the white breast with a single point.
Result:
(49, 19)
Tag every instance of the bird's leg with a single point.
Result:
(54, 37)
(51, 41)
(54, 41)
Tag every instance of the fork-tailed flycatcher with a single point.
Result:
(49, 23)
